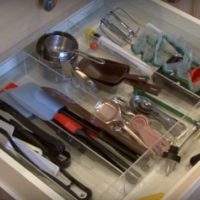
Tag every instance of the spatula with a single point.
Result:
(112, 73)
(10, 101)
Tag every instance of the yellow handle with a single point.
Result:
(157, 196)
(89, 32)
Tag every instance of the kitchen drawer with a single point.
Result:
(105, 181)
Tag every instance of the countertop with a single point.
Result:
(23, 21)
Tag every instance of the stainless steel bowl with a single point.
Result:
(50, 54)
(57, 46)
(59, 50)
(60, 46)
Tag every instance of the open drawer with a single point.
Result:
(104, 179)
(94, 171)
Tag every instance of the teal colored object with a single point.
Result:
(146, 42)
(163, 52)
(157, 47)
(148, 53)
(179, 68)
(139, 45)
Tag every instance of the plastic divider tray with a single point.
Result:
(87, 166)
(105, 181)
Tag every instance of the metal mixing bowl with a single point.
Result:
(60, 46)
(48, 47)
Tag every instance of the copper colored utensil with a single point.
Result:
(112, 73)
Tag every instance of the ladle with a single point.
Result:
(61, 47)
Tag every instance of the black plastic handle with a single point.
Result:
(195, 159)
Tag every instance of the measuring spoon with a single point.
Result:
(151, 137)
(146, 106)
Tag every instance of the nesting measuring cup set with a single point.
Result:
(59, 51)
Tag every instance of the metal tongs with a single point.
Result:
(119, 26)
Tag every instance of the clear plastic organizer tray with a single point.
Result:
(171, 100)
(103, 179)
(172, 95)
(86, 165)
(149, 167)
(172, 91)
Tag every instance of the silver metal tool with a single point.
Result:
(119, 26)
(110, 113)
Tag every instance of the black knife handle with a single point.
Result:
(195, 159)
